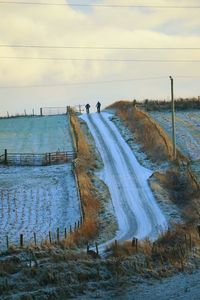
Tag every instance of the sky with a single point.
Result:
(38, 82)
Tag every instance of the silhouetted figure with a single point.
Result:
(98, 106)
(87, 108)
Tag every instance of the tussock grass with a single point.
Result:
(155, 142)
(179, 180)
(9, 266)
(173, 248)
(184, 191)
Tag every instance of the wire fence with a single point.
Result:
(52, 111)
(37, 159)
(36, 238)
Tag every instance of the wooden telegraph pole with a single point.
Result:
(173, 117)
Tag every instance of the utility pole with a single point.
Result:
(173, 117)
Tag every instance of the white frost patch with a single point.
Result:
(39, 200)
(136, 210)
(35, 134)
(187, 130)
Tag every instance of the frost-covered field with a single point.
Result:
(36, 199)
(187, 133)
(187, 130)
(35, 134)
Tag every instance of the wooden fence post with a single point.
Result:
(58, 235)
(133, 242)
(68, 109)
(115, 244)
(97, 249)
(50, 239)
(49, 158)
(35, 240)
(65, 233)
(21, 240)
(88, 247)
(136, 244)
(198, 229)
(6, 156)
(7, 242)
(70, 229)
(41, 114)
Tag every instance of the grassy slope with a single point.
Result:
(178, 180)
(63, 274)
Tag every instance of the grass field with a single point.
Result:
(35, 134)
(36, 199)
(187, 133)
(187, 130)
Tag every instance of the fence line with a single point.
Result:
(37, 159)
(51, 237)
(75, 144)
(46, 111)
(51, 111)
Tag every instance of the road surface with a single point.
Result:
(136, 210)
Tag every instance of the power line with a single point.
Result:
(83, 83)
(99, 59)
(187, 76)
(93, 82)
(99, 5)
(97, 48)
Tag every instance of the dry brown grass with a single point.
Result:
(183, 190)
(172, 248)
(155, 142)
(90, 204)
(179, 181)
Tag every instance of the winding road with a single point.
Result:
(136, 210)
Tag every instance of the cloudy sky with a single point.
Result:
(68, 79)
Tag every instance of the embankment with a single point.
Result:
(179, 181)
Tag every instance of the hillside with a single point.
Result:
(125, 171)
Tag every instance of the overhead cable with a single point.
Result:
(96, 48)
(93, 82)
(100, 5)
(100, 59)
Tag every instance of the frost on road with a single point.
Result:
(136, 210)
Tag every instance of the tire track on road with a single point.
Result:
(129, 219)
(126, 179)
(142, 191)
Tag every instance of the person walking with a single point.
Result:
(87, 108)
(98, 106)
